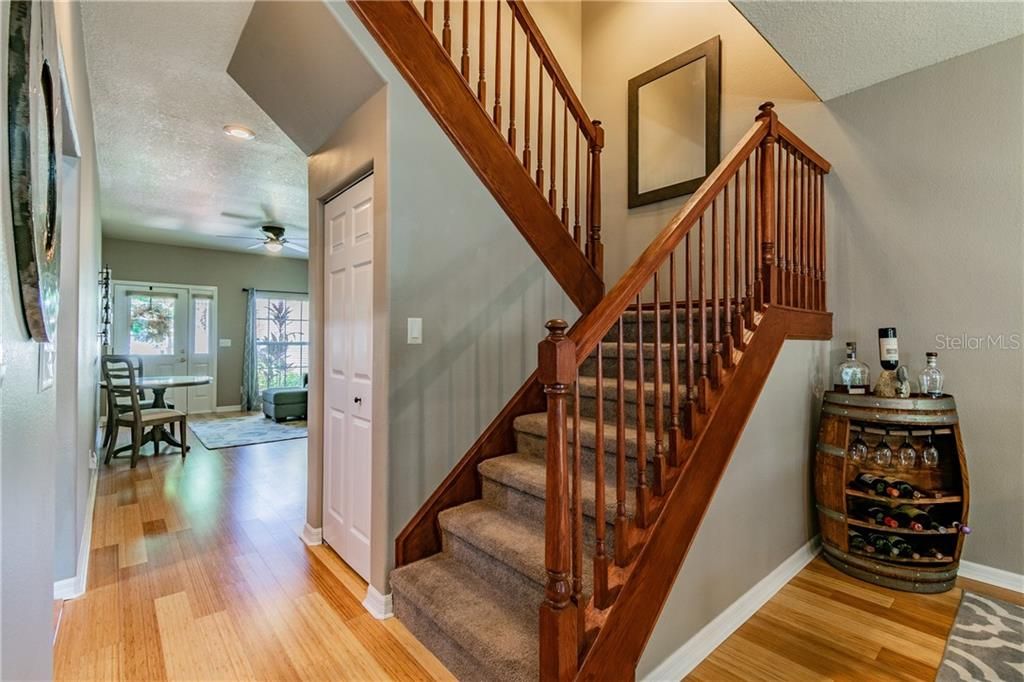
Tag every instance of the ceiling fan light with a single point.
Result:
(274, 247)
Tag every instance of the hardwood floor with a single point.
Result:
(826, 625)
(197, 572)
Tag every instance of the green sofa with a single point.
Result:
(285, 403)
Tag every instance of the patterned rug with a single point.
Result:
(216, 433)
(986, 642)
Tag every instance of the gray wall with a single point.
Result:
(455, 260)
(230, 272)
(926, 222)
(31, 469)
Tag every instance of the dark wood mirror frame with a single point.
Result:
(711, 51)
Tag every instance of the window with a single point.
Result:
(282, 339)
(201, 324)
(152, 324)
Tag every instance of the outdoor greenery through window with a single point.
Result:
(282, 339)
(152, 324)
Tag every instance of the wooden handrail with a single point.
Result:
(596, 324)
(525, 19)
(792, 138)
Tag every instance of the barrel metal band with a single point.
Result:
(827, 449)
(872, 416)
(832, 514)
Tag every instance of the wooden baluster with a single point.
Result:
(526, 116)
(481, 82)
(497, 64)
(660, 463)
(786, 226)
(602, 597)
(576, 231)
(621, 520)
(643, 492)
(749, 254)
(556, 361)
(716, 311)
(512, 79)
(565, 164)
(675, 432)
(758, 234)
(805, 238)
(703, 383)
(428, 14)
(768, 284)
(727, 341)
(595, 250)
(446, 29)
(465, 40)
(552, 166)
(577, 513)
(540, 122)
(737, 267)
(798, 232)
(822, 296)
(689, 406)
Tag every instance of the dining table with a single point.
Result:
(159, 385)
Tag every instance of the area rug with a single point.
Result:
(986, 642)
(229, 432)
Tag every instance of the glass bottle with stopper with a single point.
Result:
(852, 376)
(931, 376)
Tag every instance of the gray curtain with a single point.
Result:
(251, 400)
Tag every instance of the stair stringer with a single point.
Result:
(630, 621)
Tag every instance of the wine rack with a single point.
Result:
(928, 558)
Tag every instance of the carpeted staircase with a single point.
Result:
(475, 605)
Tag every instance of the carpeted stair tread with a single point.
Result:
(588, 389)
(537, 425)
(527, 474)
(499, 631)
(516, 541)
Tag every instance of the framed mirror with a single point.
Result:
(674, 125)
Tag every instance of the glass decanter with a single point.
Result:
(881, 456)
(931, 376)
(929, 454)
(906, 456)
(852, 376)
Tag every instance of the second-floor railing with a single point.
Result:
(751, 236)
(505, 60)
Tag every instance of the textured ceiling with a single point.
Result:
(838, 47)
(161, 96)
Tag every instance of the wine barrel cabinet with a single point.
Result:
(905, 558)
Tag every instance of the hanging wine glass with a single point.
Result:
(906, 456)
(881, 456)
(930, 454)
(858, 450)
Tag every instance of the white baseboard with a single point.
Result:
(72, 587)
(379, 605)
(687, 657)
(227, 408)
(312, 536)
(992, 576)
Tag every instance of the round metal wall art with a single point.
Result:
(34, 128)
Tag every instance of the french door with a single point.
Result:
(173, 329)
(348, 373)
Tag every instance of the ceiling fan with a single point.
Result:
(273, 240)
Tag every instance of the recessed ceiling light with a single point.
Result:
(241, 132)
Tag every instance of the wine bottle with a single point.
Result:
(938, 527)
(888, 348)
(961, 527)
(901, 547)
(875, 515)
(912, 517)
(900, 488)
(870, 484)
(858, 543)
(881, 544)
(935, 553)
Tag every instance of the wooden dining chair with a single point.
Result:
(119, 376)
(124, 405)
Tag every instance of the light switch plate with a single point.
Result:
(225, 343)
(415, 331)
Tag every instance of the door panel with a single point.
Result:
(152, 322)
(348, 374)
(202, 352)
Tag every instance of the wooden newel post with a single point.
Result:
(556, 357)
(768, 288)
(595, 250)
